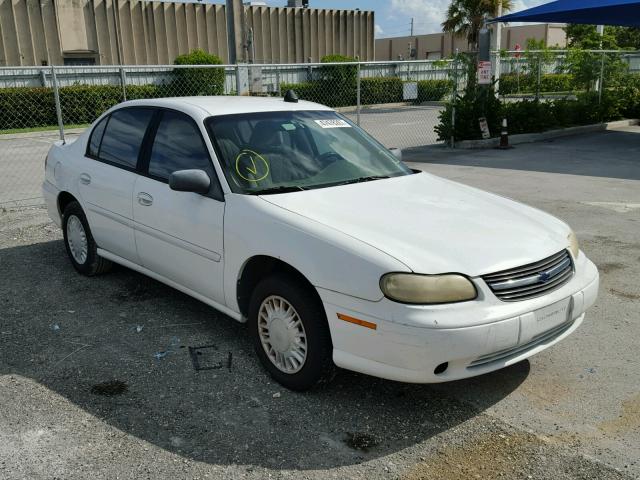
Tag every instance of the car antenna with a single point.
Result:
(291, 96)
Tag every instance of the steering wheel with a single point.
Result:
(327, 158)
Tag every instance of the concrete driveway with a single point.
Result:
(97, 379)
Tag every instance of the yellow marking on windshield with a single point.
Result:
(246, 165)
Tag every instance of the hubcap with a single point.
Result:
(282, 334)
(77, 240)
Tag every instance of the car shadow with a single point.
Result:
(74, 335)
(609, 154)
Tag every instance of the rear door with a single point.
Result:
(179, 235)
(108, 176)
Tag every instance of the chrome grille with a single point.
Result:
(533, 280)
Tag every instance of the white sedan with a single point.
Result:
(285, 215)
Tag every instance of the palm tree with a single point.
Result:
(464, 17)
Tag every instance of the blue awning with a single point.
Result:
(592, 12)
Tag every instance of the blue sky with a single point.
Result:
(393, 17)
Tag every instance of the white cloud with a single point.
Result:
(429, 14)
(378, 30)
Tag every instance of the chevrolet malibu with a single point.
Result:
(285, 215)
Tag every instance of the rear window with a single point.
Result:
(96, 137)
(123, 136)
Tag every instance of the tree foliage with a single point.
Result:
(614, 38)
(199, 81)
(465, 17)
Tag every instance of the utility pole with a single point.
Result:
(497, 45)
(411, 26)
(600, 30)
(235, 31)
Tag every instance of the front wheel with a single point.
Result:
(290, 334)
(79, 242)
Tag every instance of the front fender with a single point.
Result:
(328, 258)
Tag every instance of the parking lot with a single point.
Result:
(97, 379)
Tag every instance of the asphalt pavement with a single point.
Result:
(98, 380)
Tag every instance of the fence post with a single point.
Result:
(539, 77)
(358, 98)
(453, 100)
(123, 82)
(278, 88)
(56, 97)
(238, 83)
(601, 81)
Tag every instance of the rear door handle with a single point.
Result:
(85, 179)
(145, 199)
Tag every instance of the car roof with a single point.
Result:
(207, 106)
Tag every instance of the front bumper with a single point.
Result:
(473, 338)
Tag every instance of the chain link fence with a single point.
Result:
(401, 103)
(397, 102)
(562, 73)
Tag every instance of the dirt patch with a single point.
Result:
(628, 296)
(629, 418)
(361, 441)
(110, 388)
(139, 290)
(610, 267)
(491, 456)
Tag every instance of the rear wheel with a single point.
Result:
(290, 333)
(80, 245)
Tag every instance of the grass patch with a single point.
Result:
(42, 129)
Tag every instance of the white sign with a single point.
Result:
(484, 128)
(410, 91)
(333, 123)
(484, 72)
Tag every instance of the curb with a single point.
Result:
(549, 135)
(375, 106)
(41, 133)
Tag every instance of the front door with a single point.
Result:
(179, 235)
(108, 176)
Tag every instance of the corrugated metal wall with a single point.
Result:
(136, 32)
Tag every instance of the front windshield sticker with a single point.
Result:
(333, 123)
(251, 166)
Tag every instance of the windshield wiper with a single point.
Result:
(280, 189)
(364, 179)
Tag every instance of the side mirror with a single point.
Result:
(397, 152)
(196, 181)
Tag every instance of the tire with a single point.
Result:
(317, 366)
(77, 234)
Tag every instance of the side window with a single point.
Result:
(123, 136)
(96, 137)
(178, 145)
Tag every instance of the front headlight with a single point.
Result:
(574, 247)
(423, 289)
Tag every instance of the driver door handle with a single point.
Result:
(85, 179)
(145, 199)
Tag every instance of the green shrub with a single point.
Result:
(80, 104)
(337, 83)
(380, 90)
(433, 90)
(306, 91)
(198, 81)
(26, 107)
(553, 82)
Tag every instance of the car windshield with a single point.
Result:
(277, 152)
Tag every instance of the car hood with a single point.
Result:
(433, 225)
